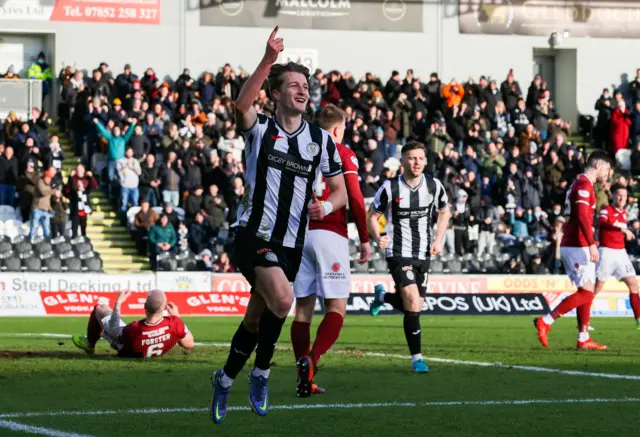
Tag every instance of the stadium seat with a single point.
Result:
(43, 247)
(93, 265)
(167, 264)
(454, 266)
(5, 249)
(82, 248)
(380, 265)
(23, 247)
(12, 264)
(63, 247)
(46, 255)
(52, 264)
(32, 264)
(353, 249)
(361, 268)
(436, 266)
(77, 240)
(87, 255)
(72, 265)
(7, 213)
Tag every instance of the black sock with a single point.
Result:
(395, 300)
(269, 327)
(412, 331)
(242, 345)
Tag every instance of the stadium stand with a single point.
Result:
(168, 160)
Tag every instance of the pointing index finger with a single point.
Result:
(273, 33)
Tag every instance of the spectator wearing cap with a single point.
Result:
(143, 221)
(205, 263)
(393, 86)
(11, 73)
(129, 176)
(117, 114)
(40, 70)
(162, 238)
(124, 83)
(41, 213)
(117, 143)
(8, 177)
(20, 138)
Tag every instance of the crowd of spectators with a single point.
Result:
(170, 148)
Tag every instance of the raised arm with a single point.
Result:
(246, 114)
(444, 215)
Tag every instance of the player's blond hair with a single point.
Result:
(330, 116)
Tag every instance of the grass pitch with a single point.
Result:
(487, 378)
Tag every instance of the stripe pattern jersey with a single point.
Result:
(281, 171)
(409, 213)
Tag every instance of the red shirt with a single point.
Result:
(337, 220)
(612, 222)
(140, 339)
(579, 206)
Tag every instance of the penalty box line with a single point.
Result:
(517, 402)
(38, 430)
(404, 357)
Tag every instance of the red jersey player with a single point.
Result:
(614, 260)
(579, 251)
(152, 336)
(325, 268)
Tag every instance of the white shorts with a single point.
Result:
(112, 335)
(614, 262)
(325, 269)
(578, 265)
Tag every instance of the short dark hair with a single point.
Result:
(599, 155)
(413, 145)
(277, 72)
(617, 187)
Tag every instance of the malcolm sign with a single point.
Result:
(373, 15)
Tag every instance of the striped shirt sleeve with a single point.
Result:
(330, 162)
(442, 200)
(381, 200)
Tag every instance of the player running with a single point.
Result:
(614, 260)
(325, 268)
(285, 157)
(579, 251)
(408, 202)
(152, 336)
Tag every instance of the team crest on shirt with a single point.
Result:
(410, 275)
(270, 256)
(313, 148)
(583, 193)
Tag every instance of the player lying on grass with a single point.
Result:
(154, 335)
(325, 269)
(579, 251)
(409, 202)
(614, 260)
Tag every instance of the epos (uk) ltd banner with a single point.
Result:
(207, 294)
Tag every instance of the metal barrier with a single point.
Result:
(19, 96)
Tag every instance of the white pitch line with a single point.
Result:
(29, 429)
(516, 402)
(404, 357)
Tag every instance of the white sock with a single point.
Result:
(416, 357)
(548, 319)
(225, 381)
(260, 372)
(583, 336)
(382, 296)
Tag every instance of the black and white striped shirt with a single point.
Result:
(281, 171)
(409, 213)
